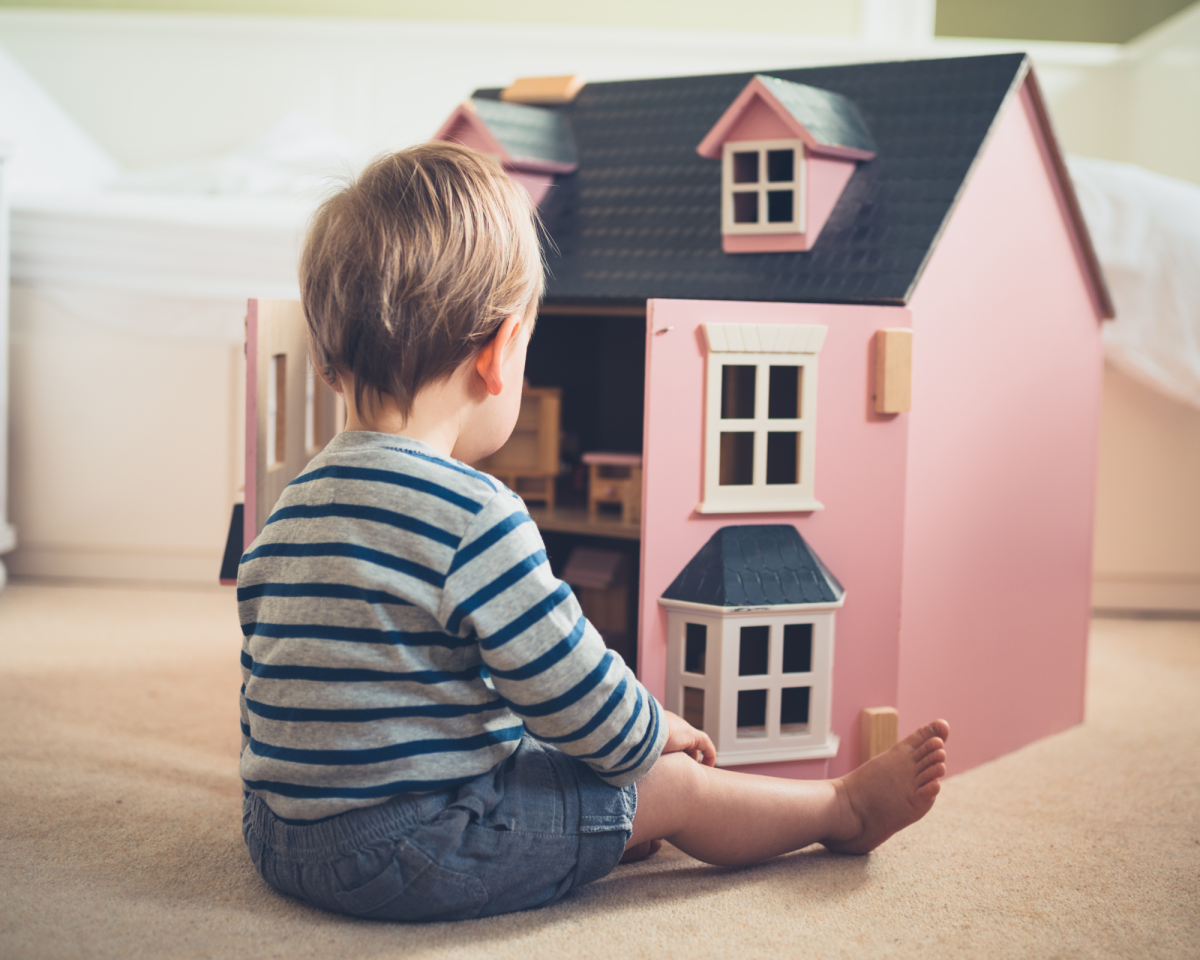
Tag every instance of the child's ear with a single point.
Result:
(489, 362)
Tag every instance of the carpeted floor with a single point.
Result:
(119, 823)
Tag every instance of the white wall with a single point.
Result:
(1164, 120)
(153, 88)
(126, 449)
(125, 444)
(1147, 554)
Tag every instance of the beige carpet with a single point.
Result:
(119, 818)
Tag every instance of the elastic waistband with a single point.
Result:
(346, 832)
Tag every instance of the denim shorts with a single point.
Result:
(520, 836)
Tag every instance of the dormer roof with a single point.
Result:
(523, 137)
(756, 565)
(827, 122)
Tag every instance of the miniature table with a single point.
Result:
(615, 478)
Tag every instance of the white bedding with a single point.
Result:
(1146, 230)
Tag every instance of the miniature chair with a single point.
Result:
(615, 478)
(528, 462)
(291, 413)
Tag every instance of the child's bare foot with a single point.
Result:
(890, 791)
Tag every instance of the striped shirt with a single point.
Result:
(402, 630)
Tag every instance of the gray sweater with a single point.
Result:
(402, 630)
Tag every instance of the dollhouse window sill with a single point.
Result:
(816, 751)
(759, 506)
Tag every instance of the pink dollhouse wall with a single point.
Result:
(1001, 461)
(759, 122)
(962, 531)
(860, 478)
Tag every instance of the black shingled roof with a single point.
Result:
(831, 118)
(640, 218)
(527, 133)
(754, 566)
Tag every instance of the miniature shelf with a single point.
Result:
(575, 520)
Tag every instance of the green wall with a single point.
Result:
(1093, 21)
(1102, 21)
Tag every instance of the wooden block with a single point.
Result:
(544, 90)
(893, 371)
(879, 729)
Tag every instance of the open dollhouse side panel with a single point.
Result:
(858, 477)
(290, 413)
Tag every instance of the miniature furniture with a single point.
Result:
(529, 462)
(615, 478)
(750, 645)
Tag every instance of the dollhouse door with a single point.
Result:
(290, 412)
(850, 505)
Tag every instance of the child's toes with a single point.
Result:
(934, 756)
(935, 772)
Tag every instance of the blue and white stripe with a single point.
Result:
(402, 630)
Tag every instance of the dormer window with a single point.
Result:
(763, 187)
(787, 151)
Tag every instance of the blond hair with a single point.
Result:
(412, 268)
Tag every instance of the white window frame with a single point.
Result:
(721, 681)
(762, 187)
(761, 346)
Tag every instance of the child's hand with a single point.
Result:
(682, 737)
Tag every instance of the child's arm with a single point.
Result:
(544, 658)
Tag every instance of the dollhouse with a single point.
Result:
(843, 315)
(854, 307)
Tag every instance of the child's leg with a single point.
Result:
(729, 818)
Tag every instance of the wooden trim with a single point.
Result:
(598, 310)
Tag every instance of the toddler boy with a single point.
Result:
(431, 728)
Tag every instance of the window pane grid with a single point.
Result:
(760, 450)
(762, 187)
(774, 698)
